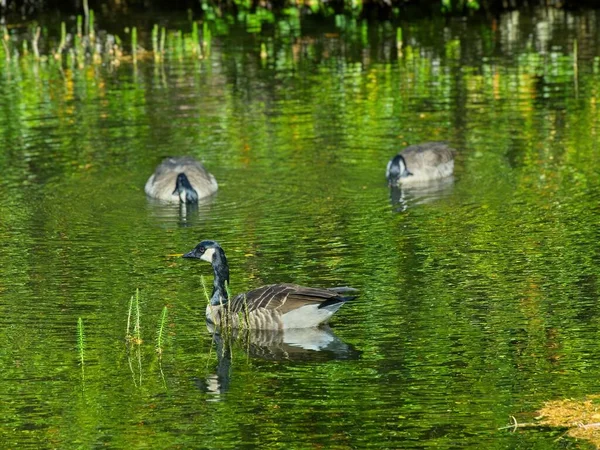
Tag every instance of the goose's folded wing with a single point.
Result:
(427, 154)
(283, 297)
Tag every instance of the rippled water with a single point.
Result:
(478, 297)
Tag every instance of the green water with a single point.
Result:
(478, 300)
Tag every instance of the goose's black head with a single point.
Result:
(213, 253)
(184, 189)
(396, 169)
(208, 251)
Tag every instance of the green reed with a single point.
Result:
(6, 42)
(34, 43)
(399, 42)
(134, 44)
(134, 309)
(155, 42)
(91, 24)
(575, 66)
(204, 288)
(160, 333)
(195, 39)
(206, 39)
(81, 345)
(163, 38)
(63, 40)
(179, 44)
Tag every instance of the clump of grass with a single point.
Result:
(134, 308)
(160, 333)
(79, 45)
(578, 416)
(81, 345)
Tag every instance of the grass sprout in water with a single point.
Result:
(160, 333)
(81, 346)
(134, 304)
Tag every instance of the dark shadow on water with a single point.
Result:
(405, 197)
(182, 214)
(305, 344)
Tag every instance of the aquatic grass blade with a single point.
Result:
(81, 346)
(160, 334)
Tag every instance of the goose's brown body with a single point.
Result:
(277, 307)
(162, 182)
(426, 162)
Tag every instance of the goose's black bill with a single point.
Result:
(191, 255)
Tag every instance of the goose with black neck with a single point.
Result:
(271, 307)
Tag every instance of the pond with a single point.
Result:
(478, 300)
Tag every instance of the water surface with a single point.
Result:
(478, 299)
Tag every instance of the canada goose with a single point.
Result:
(270, 307)
(181, 179)
(419, 163)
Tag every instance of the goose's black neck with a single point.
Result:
(221, 270)
(398, 168)
(185, 190)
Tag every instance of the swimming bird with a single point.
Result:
(270, 307)
(421, 163)
(180, 179)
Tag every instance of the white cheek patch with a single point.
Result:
(208, 254)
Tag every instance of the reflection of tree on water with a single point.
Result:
(303, 344)
(404, 197)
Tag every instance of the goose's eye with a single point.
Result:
(201, 250)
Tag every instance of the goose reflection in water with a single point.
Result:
(408, 196)
(303, 344)
(181, 214)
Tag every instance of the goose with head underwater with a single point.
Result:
(180, 180)
(420, 163)
(270, 307)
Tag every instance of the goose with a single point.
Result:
(180, 179)
(421, 163)
(270, 307)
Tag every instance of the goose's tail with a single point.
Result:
(341, 299)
